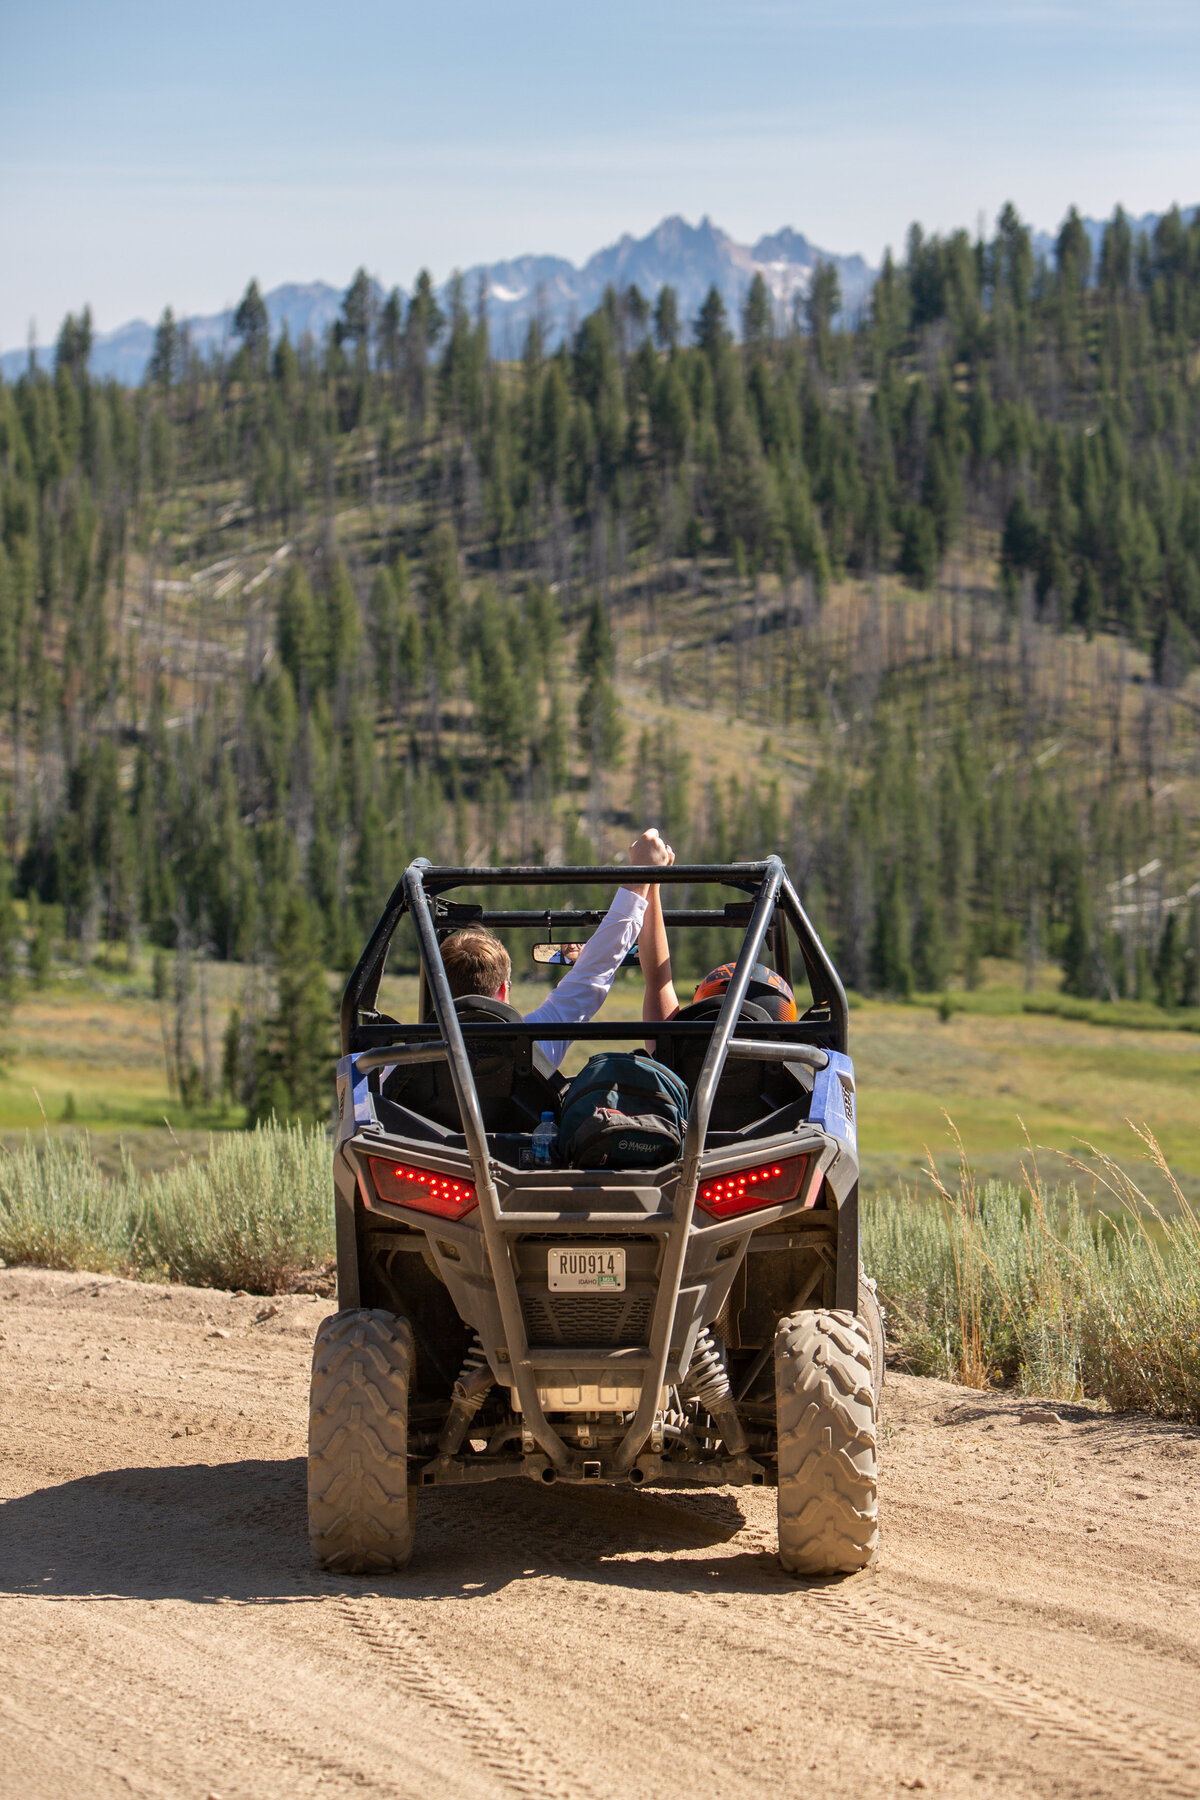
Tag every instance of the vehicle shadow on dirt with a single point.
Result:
(236, 1531)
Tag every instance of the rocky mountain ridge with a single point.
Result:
(690, 258)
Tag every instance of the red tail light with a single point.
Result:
(743, 1190)
(422, 1189)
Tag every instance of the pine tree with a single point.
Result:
(343, 625)
(1174, 652)
(294, 1074)
(1116, 253)
(919, 547)
(74, 348)
(40, 947)
(1169, 969)
(666, 318)
(930, 951)
(358, 315)
(422, 329)
(298, 632)
(758, 313)
(501, 698)
(1079, 949)
(601, 732)
(250, 323)
(391, 332)
(892, 956)
(711, 328)
(164, 358)
(822, 304)
(1073, 254)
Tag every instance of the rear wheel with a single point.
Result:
(360, 1504)
(871, 1314)
(825, 1406)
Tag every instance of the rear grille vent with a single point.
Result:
(620, 1320)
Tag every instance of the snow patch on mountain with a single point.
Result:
(689, 258)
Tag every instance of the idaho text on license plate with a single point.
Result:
(586, 1270)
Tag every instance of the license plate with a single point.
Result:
(586, 1270)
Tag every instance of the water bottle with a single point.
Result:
(544, 1140)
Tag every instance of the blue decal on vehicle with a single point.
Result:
(833, 1106)
(355, 1105)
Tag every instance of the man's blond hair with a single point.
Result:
(476, 962)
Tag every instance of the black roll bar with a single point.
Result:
(819, 965)
(676, 1240)
(369, 967)
(743, 875)
(503, 1274)
(823, 977)
(556, 919)
(433, 1049)
(605, 1030)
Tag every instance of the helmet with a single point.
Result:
(766, 989)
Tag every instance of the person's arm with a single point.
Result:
(583, 990)
(581, 993)
(660, 1000)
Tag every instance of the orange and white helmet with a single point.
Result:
(766, 989)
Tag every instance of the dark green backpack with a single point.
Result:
(622, 1111)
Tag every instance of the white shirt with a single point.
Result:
(583, 991)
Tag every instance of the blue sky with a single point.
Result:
(157, 153)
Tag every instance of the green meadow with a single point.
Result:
(88, 1052)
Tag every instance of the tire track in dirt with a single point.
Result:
(1141, 1745)
(164, 1632)
(468, 1718)
(96, 1700)
(866, 1619)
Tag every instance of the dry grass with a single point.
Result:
(987, 1283)
(255, 1213)
(1021, 1284)
(59, 1210)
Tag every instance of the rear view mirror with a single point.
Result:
(558, 954)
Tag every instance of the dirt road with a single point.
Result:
(1033, 1626)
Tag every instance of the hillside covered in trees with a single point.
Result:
(915, 603)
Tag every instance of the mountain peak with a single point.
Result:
(690, 258)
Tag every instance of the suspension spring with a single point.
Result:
(474, 1365)
(708, 1384)
(470, 1391)
(707, 1378)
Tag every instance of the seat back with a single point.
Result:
(747, 1091)
(513, 1079)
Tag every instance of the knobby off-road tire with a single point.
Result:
(871, 1314)
(360, 1505)
(825, 1404)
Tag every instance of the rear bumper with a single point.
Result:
(681, 1263)
(576, 1340)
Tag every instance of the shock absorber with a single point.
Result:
(470, 1391)
(708, 1384)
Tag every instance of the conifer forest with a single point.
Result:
(913, 598)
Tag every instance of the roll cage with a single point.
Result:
(370, 1043)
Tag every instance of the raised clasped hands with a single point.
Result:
(649, 850)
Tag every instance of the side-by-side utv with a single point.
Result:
(706, 1322)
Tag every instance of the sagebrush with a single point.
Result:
(1025, 1285)
(255, 1213)
(999, 1284)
